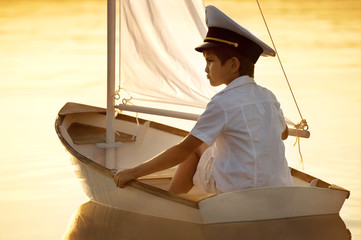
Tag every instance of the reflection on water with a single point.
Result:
(95, 221)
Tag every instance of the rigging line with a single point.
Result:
(298, 142)
(279, 60)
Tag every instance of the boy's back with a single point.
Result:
(245, 123)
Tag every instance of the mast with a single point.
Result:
(110, 137)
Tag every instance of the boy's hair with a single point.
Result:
(224, 53)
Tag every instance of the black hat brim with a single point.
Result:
(207, 45)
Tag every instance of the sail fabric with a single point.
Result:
(158, 60)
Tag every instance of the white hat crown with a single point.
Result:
(223, 29)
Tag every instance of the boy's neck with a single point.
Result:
(238, 76)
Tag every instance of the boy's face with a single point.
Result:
(216, 72)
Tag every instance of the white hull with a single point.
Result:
(101, 189)
(139, 197)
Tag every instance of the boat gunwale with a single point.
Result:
(152, 189)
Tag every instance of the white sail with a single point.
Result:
(158, 60)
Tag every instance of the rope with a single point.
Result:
(298, 141)
(303, 121)
(137, 128)
(125, 101)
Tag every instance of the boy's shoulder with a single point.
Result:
(243, 94)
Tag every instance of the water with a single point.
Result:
(52, 52)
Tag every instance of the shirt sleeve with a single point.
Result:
(210, 123)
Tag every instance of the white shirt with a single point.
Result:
(243, 123)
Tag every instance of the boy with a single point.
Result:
(236, 143)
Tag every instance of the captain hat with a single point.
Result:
(222, 30)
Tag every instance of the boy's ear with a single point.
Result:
(235, 64)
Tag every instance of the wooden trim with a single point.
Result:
(163, 193)
(322, 184)
(336, 187)
(71, 107)
(308, 178)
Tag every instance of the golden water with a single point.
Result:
(52, 52)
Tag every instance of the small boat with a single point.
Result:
(81, 128)
(99, 143)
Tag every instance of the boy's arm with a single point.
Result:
(167, 159)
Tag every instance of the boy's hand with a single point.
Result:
(123, 177)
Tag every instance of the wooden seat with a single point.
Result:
(87, 134)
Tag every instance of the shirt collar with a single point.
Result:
(240, 81)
